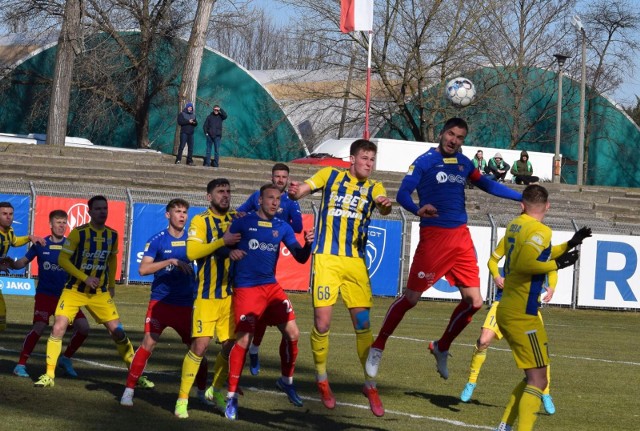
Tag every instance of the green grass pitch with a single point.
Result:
(595, 376)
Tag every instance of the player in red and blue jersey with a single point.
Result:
(51, 279)
(172, 293)
(445, 247)
(288, 211)
(257, 295)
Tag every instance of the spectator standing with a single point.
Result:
(188, 122)
(213, 132)
(522, 170)
(498, 167)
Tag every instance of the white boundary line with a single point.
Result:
(307, 398)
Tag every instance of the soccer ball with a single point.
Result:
(461, 91)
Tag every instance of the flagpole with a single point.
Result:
(368, 90)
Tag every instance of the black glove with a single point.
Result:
(567, 259)
(578, 237)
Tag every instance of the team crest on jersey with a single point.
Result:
(192, 232)
(274, 233)
(376, 242)
(460, 168)
(364, 190)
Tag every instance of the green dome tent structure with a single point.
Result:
(614, 139)
(256, 126)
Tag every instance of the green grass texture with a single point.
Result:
(595, 376)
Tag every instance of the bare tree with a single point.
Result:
(193, 60)
(69, 46)
(611, 29)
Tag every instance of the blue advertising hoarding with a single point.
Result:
(383, 256)
(148, 219)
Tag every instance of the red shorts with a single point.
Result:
(161, 316)
(267, 302)
(45, 307)
(444, 252)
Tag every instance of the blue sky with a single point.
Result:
(625, 95)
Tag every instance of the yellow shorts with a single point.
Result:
(526, 336)
(213, 317)
(3, 313)
(347, 276)
(490, 321)
(100, 305)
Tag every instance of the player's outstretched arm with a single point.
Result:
(298, 190)
(496, 188)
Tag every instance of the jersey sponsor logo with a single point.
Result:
(48, 266)
(91, 267)
(78, 215)
(354, 202)
(338, 212)
(450, 160)
(254, 244)
(98, 254)
(443, 177)
(178, 243)
(55, 247)
(264, 223)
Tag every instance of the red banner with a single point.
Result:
(290, 274)
(77, 215)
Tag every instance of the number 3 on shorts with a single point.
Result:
(323, 293)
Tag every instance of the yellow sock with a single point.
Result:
(511, 411)
(548, 388)
(477, 360)
(528, 408)
(220, 372)
(54, 348)
(190, 367)
(125, 350)
(364, 338)
(320, 350)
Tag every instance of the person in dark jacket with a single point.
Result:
(187, 121)
(498, 167)
(522, 170)
(213, 132)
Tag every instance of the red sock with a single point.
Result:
(394, 316)
(288, 355)
(76, 341)
(201, 377)
(236, 364)
(28, 345)
(137, 366)
(460, 318)
(260, 329)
